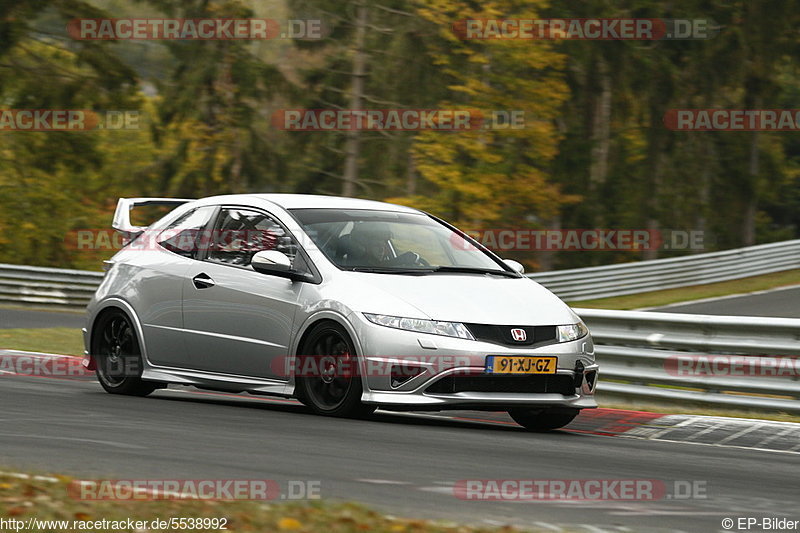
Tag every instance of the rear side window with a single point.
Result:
(185, 234)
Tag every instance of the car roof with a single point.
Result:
(311, 201)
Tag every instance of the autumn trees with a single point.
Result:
(593, 152)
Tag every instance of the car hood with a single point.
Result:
(467, 298)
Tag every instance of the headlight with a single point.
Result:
(434, 327)
(572, 332)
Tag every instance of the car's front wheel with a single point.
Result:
(117, 356)
(543, 419)
(328, 380)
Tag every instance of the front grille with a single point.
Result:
(541, 383)
(535, 335)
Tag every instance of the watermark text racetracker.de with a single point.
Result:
(732, 119)
(397, 119)
(194, 489)
(689, 365)
(609, 239)
(68, 120)
(205, 29)
(549, 490)
(44, 366)
(600, 29)
(187, 240)
(396, 367)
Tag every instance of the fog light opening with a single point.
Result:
(578, 374)
(591, 377)
(401, 374)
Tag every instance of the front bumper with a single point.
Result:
(438, 358)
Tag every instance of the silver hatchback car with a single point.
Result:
(344, 304)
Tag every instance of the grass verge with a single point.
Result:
(67, 341)
(697, 292)
(36, 498)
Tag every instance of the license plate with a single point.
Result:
(520, 364)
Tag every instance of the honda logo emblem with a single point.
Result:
(519, 335)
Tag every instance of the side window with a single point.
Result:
(185, 234)
(240, 233)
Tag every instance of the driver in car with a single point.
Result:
(371, 247)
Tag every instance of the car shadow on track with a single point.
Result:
(462, 419)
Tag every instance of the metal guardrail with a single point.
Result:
(666, 357)
(658, 274)
(74, 288)
(41, 286)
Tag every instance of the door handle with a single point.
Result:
(203, 281)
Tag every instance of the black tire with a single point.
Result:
(338, 394)
(117, 356)
(543, 419)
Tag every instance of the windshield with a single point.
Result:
(386, 241)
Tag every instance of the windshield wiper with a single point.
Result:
(389, 270)
(474, 270)
(434, 269)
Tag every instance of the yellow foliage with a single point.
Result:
(289, 524)
(485, 176)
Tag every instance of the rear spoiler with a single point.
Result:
(122, 216)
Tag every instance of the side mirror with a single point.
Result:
(277, 263)
(516, 266)
(271, 262)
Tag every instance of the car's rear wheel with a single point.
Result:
(543, 419)
(329, 381)
(117, 356)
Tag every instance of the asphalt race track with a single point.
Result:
(778, 303)
(27, 318)
(405, 465)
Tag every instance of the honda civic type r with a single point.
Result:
(344, 304)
